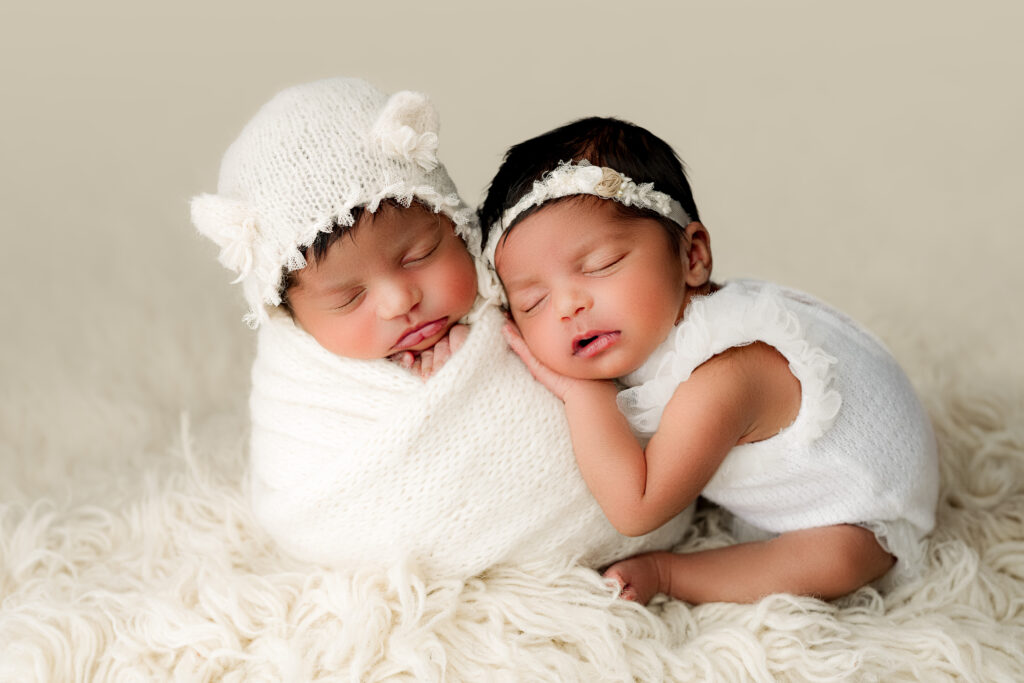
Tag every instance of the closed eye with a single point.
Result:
(603, 266)
(531, 305)
(421, 255)
(350, 300)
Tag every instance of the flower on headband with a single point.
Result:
(407, 129)
(582, 179)
(610, 183)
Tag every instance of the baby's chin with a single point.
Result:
(597, 368)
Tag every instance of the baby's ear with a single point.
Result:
(695, 250)
(231, 225)
(407, 128)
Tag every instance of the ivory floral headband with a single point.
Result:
(585, 178)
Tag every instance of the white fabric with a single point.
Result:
(360, 462)
(585, 178)
(861, 449)
(308, 157)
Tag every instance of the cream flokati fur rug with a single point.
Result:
(158, 572)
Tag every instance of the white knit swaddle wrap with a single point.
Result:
(360, 462)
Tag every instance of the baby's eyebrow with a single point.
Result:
(338, 288)
(520, 282)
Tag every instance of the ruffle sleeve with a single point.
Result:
(740, 313)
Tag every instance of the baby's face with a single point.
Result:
(397, 282)
(593, 293)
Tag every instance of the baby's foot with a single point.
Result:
(638, 576)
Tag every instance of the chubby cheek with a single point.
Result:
(456, 284)
(547, 342)
(359, 336)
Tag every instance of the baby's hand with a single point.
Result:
(457, 337)
(557, 384)
(429, 361)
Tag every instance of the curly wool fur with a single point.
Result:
(156, 567)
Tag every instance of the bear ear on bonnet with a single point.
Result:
(232, 226)
(407, 129)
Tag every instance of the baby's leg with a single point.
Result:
(825, 562)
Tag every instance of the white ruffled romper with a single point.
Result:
(861, 449)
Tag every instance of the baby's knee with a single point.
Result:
(856, 556)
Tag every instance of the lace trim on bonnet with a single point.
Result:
(258, 259)
(738, 314)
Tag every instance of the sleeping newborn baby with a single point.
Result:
(389, 419)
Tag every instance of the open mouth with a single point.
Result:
(592, 343)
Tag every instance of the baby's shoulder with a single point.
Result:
(755, 368)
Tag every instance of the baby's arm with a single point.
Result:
(641, 489)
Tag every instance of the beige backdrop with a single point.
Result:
(871, 153)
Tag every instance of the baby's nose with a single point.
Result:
(397, 299)
(572, 302)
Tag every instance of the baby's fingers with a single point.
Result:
(426, 363)
(518, 345)
(457, 336)
(403, 358)
(515, 342)
(557, 384)
(442, 352)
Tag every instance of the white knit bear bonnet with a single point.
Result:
(310, 155)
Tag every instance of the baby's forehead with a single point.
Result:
(522, 264)
(391, 225)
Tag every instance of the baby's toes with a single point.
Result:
(626, 589)
(634, 576)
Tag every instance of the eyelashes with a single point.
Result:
(415, 257)
(528, 308)
(602, 266)
(599, 267)
(422, 256)
(350, 301)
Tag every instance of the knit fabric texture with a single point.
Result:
(359, 463)
(308, 157)
(861, 449)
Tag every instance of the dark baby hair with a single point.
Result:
(629, 149)
(318, 249)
